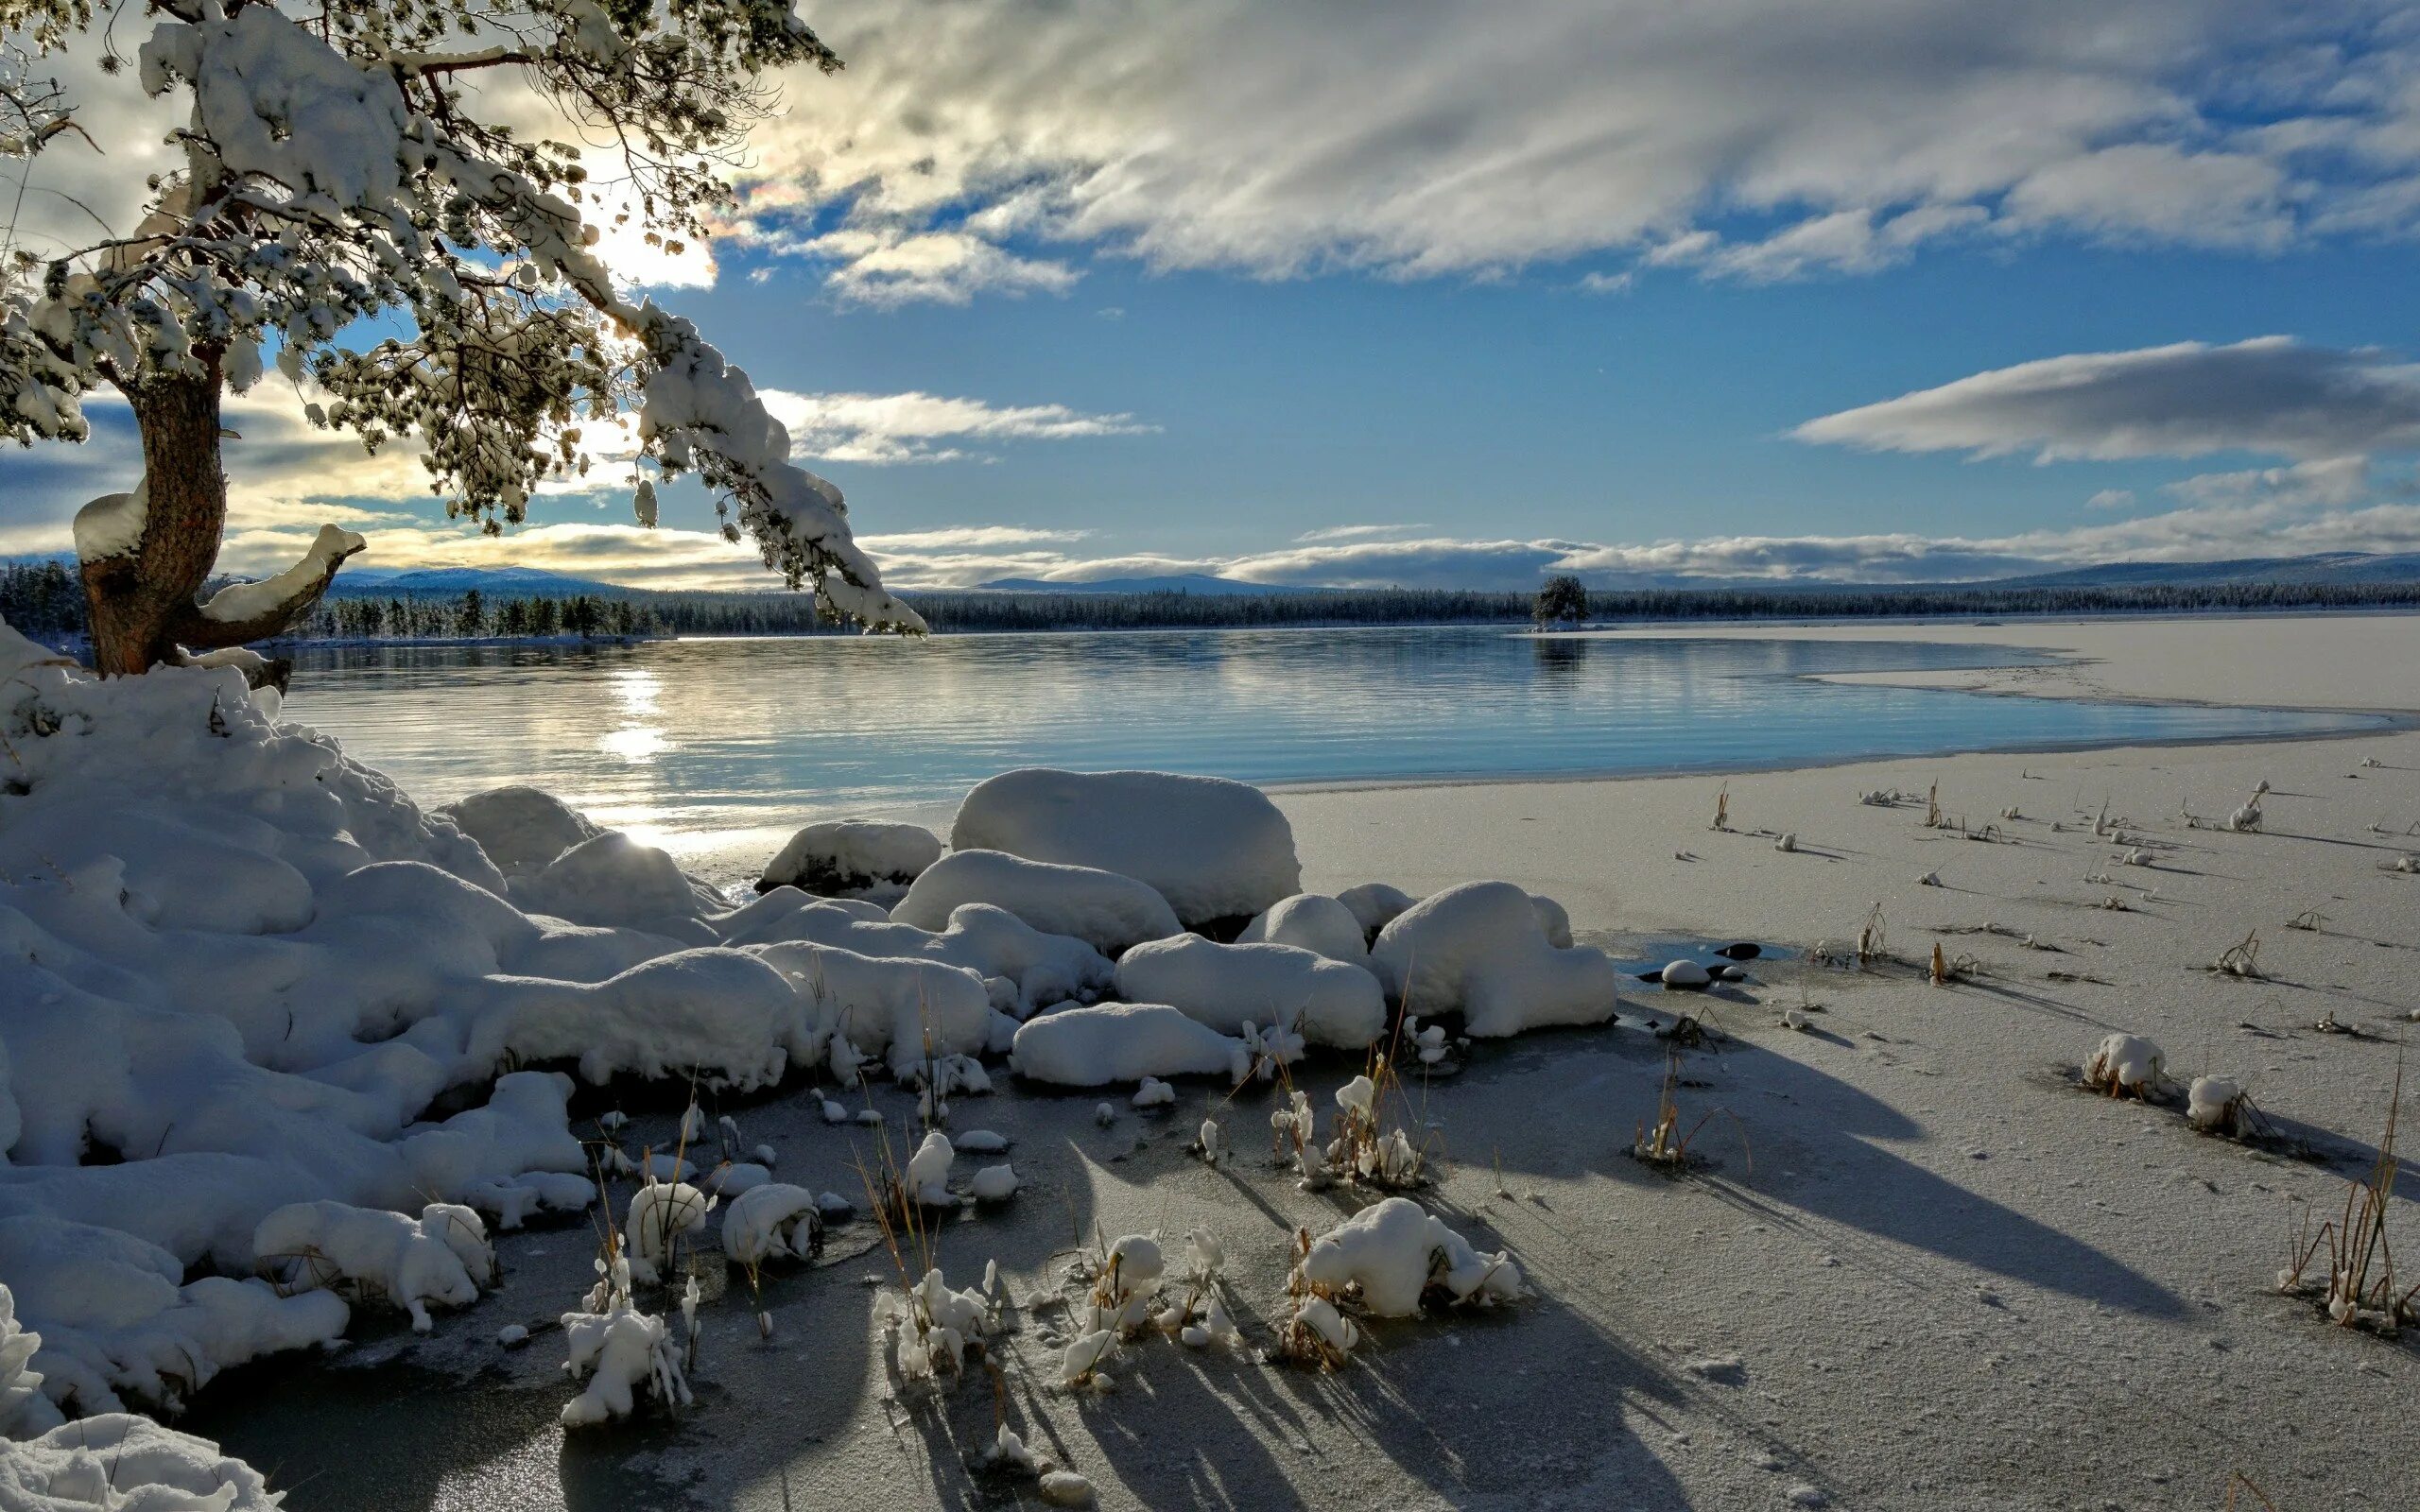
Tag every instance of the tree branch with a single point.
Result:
(256, 611)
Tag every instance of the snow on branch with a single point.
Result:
(249, 612)
(342, 172)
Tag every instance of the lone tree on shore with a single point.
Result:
(359, 209)
(1563, 600)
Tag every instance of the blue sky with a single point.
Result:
(1463, 293)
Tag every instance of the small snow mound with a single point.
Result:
(841, 857)
(623, 1354)
(1395, 1250)
(771, 1222)
(1214, 848)
(2215, 1104)
(2125, 1065)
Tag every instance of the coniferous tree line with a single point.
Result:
(45, 600)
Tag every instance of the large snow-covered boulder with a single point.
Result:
(613, 881)
(1107, 910)
(1482, 950)
(843, 857)
(521, 828)
(1110, 1043)
(1226, 987)
(1313, 921)
(1215, 850)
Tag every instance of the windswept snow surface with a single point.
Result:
(1211, 847)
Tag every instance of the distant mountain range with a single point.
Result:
(2343, 568)
(514, 582)
(1201, 583)
(2325, 567)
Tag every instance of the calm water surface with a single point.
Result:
(694, 743)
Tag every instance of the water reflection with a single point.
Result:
(693, 738)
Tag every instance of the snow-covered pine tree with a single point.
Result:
(363, 205)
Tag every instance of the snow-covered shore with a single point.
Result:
(1922, 1270)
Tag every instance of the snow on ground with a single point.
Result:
(1911, 1262)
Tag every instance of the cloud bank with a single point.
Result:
(972, 147)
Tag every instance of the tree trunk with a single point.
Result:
(139, 598)
(142, 601)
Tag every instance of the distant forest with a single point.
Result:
(44, 600)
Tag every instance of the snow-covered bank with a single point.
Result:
(1922, 1253)
(278, 1046)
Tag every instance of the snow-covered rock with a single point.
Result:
(1312, 922)
(844, 857)
(1215, 850)
(770, 1222)
(118, 1460)
(1395, 1250)
(893, 1007)
(442, 1257)
(613, 881)
(1481, 951)
(1226, 987)
(1105, 909)
(1104, 1043)
(1374, 905)
(117, 1327)
(1039, 969)
(520, 828)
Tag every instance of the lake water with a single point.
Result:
(699, 745)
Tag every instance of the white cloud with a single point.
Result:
(891, 265)
(879, 428)
(1358, 532)
(2111, 499)
(1276, 138)
(2271, 395)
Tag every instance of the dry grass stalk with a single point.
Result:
(1932, 807)
(2361, 1290)
(2241, 958)
(1872, 945)
(1665, 1145)
(1722, 809)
